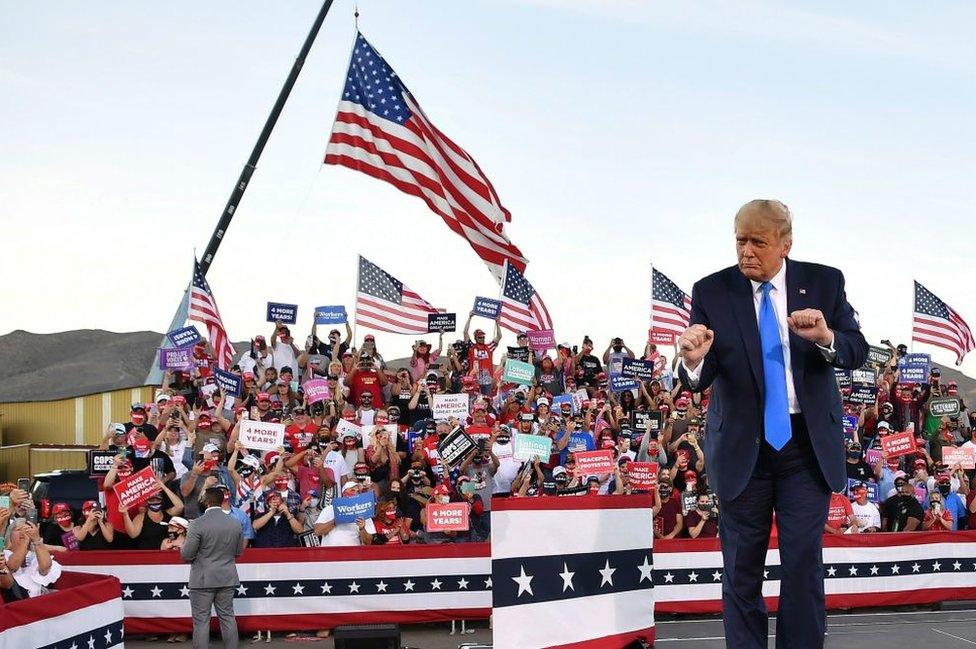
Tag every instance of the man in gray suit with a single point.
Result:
(213, 542)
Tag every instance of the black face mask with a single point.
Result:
(944, 489)
(501, 440)
(664, 491)
(155, 507)
(854, 455)
(703, 508)
(172, 536)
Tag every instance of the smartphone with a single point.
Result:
(31, 516)
(4, 503)
(23, 483)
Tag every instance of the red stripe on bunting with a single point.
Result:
(611, 641)
(74, 591)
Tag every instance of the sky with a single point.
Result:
(619, 133)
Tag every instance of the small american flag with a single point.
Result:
(381, 131)
(383, 302)
(936, 323)
(670, 306)
(203, 309)
(522, 306)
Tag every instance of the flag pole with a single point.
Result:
(911, 336)
(355, 299)
(650, 320)
(252, 162)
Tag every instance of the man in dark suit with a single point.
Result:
(765, 335)
(213, 542)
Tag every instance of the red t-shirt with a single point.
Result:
(366, 381)
(113, 513)
(430, 452)
(666, 519)
(708, 530)
(839, 509)
(480, 360)
(390, 531)
(299, 437)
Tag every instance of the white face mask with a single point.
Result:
(283, 492)
(443, 499)
(314, 502)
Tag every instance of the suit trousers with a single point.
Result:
(790, 482)
(222, 600)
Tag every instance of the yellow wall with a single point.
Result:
(24, 461)
(80, 420)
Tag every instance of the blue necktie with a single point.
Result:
(776, 415)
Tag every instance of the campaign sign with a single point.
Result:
(914, 368)
(344, 427)
(99, 462)
(620, 383)
(449, 517)
(879, 355)
(518, 372)
(541, 340)
(662, 337)
(441, 322)
(137, 488)
(643, 475)
(287, 313)
(873, 455)
(560, 399)
(347, 509)
(230, 383)
(872, 488)
(579, 397)
(176, 358)
(594, 462)
(528, 446)
(261, 436)
(964, 457)
(487, 308)
(638, 368)
(69, 540)
(863, 394)
(328, 315)
(898, 444)
(519, 353)
(843, 378)
(316, 390)
(944, 407)
(644, 421)
(455, 447)
(446, 406)
(850, 425)
(184, 337)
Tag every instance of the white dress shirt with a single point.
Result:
(777, 296)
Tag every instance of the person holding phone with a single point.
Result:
(96, 532)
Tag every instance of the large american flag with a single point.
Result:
(670, 306)
(522, 306)
(203, 308)
(385, 304)
(381, 131)
(936, 323)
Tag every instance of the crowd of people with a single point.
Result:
(189, 436)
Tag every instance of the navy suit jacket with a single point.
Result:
(733, 368)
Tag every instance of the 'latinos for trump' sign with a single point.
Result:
(184, 337)
(286, 313)
(137, 488)
(898, 444)
(528, 446)
(349, 508)
(261, 436)
(449, 517)
(518, 372)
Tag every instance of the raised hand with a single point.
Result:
(695, 343)
(810, 324)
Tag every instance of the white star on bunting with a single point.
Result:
(567, 578)
(524, 582)
(606, 574)
(646, 571)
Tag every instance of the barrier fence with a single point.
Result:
(314, 588)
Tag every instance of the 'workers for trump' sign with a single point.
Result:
(137, 488)
(349, 508)
(261, 436)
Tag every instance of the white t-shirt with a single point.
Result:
(176, 455)
(28, 578)
(284, 356)
(508, 466)
(866, 515)
(344, 534)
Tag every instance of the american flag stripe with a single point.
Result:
(380, 130)
(403, 164)
(385, 304)
(670, 306)
(203, 309)
(522, 307)
(936, 323)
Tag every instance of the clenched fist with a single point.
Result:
(810, 324)
(695, 343)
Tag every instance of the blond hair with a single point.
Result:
(772, 211)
